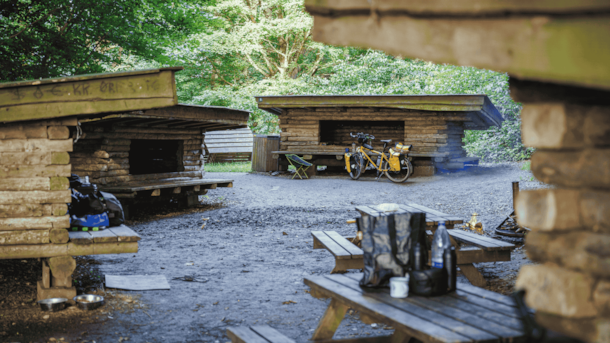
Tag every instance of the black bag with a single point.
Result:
(387, 241)
(83, 204)
(115, 210)
(428, 282)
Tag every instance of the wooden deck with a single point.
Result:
(138, 186)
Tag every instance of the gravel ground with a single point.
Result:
(251, 257)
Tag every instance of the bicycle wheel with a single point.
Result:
(356, 165)
(399, 176)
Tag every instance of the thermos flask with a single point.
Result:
(450, 265)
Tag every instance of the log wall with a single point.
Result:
(103, 152)
(34, 170)
(432, 134)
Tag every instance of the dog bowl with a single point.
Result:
(88, 302)
(53, 304)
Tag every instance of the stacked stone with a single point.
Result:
(570, 238)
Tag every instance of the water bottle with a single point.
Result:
(440, 242)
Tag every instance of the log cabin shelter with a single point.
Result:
(319, 126)
(125, 131)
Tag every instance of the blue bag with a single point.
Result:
(93, 221)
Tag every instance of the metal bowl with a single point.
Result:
(88, 302)
(53, 304)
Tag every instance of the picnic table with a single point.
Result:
(470, 247)
(470, 314)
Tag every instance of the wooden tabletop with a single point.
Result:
(433, 217)
(470, 314)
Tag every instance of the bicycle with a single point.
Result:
(397, 167)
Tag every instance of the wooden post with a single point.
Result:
(515, 193)
(57, 278)
(330, 321)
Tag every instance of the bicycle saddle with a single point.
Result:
(385, 140)
(368, 146)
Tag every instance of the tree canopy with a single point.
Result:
(49, 38)
(233, 50)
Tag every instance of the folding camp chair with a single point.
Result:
(299, 164)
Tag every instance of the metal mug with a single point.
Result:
(399, 287)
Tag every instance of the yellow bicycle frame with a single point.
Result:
(383, 157)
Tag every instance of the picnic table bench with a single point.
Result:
(471, 314)
(470, 247)
(256, 334)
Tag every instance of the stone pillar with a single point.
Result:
(570, 238)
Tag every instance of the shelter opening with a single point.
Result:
(154, 156)
(336, 132)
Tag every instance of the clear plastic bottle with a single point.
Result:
(440, 242)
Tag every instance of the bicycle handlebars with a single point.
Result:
(362, 135)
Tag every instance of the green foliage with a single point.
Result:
(526, 165)
(234, 167)
(50, 38)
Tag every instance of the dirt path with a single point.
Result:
(252, 256)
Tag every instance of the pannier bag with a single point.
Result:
(387, 242)
(402, 148)
(114, 209)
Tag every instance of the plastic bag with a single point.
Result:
(387, 245)
(114, 209)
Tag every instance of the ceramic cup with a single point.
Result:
(399, 287)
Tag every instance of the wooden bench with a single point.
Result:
(347, 255)
(256, 334)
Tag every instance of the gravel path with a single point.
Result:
(254, 252)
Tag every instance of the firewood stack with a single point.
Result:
(570, 288)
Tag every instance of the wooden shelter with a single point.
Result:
(319, 125)
(229, 145)
(556, 53)
(107, 115)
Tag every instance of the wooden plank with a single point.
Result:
(34, 223)
(473, 275)
(488, 304)
(550, 55)
(411, 306)
(348, 246)
(486, 294)
(32, 210)
(69, 249)
(480, 241)
(87, 94)
(104, 236)
(23, 131)
(468, 318)
(124, 233)
(242, 334)
(41, 197)
(382, 312)
(488, 316)
(24, 237)
(80, 237)
(270, 334)
(338, 251)
(448, 217)
(465, 8)
(33, 171)
(11, 158)
(35, 145)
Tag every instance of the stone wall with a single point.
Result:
(570, 238)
